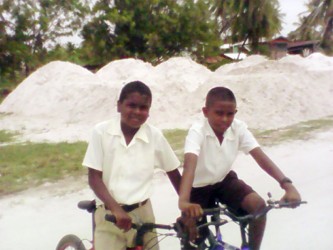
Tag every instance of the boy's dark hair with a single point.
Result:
(219, 94)
(132, 87)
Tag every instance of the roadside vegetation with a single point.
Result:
(31, 164)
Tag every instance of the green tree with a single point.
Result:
(317, 24)
(149, 29)
(199, 30)
(252, 20)
(31, 27)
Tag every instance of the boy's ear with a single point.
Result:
(205, 111)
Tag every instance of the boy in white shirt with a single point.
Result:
(211, 147)
(121, 157)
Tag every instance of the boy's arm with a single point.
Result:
(97, 185)
(270, 167)
(190, 209)
(175, 177)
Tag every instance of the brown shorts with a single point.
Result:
(231, 192)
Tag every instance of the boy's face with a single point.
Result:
(134, 110)
(220, 115)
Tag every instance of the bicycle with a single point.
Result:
(219, 216)
(73, 242)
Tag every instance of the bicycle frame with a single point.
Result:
(216, 241)
(90, 206)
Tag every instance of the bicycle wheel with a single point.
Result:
(70, 242)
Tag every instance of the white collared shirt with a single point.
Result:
(128, 169)
(214, 159)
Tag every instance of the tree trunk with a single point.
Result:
(327, 41)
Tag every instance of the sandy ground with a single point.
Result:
(37, 218)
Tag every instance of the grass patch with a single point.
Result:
(24, 166)
(300, 131)
(176, 138)
(6, 136)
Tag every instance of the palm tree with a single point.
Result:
(318, 24)
(248, 19)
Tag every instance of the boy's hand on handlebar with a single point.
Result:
(190, 213)
(189, 227)
(123, 220)
(191, 209)
(292, 196)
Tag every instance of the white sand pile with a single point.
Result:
(62, 101)
(274, 94)
(183, 72)
(119, 72)
(249, 61)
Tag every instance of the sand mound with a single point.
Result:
(119, 72)
(62, 101)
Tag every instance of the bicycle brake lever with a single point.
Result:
(271, 201)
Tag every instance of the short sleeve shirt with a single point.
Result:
(214, 159)
(128, 169)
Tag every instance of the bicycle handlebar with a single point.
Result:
(221, 210)
(148, 226)
(112, 218)
(249, 217)
(209, 211)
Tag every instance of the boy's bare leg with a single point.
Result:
(253, 203)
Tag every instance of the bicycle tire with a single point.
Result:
(70, 241)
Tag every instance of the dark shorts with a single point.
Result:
(231, 192)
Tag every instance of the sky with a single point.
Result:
(291, 9)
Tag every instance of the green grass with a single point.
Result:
(6, 137)
(28, 165)
(300, 131)
(176, 138)
(24, 166)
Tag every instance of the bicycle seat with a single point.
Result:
(90, 206)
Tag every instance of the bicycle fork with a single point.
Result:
(245, 244)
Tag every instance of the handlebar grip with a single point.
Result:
(89, 205)
(286, 203)
(111, 218)
(211, 211)
(291, 203)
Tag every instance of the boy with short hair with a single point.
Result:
(211, 148)
(121, 157)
